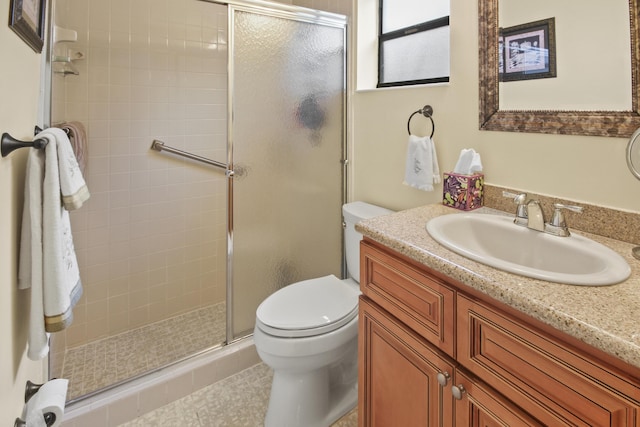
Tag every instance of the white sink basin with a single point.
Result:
(498, 242)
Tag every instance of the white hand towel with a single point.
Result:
(421, 168)
(30, 266)
(48, 262)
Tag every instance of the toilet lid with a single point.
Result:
(308, 308)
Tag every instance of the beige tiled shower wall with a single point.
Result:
(151, 240)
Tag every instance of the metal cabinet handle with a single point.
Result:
(443, 378)
(458, 391)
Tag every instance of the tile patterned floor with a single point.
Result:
(238, 401)
(106, 362)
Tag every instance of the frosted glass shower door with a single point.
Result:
(287, 147)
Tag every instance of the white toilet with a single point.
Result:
(307, 333)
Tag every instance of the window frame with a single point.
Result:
(403, 32)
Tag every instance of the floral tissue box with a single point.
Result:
(464, 192)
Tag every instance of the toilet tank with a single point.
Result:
(352, 213)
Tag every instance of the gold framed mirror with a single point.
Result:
(594, 123)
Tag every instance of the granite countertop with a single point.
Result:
(606, 317)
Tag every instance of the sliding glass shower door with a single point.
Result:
(287, 134)
(175, 256)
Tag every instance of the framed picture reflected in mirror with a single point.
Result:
(528, 51)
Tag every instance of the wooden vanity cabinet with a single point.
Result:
(430, 354)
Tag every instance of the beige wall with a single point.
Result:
(587, 169)
(19, 86)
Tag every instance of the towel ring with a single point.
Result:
(426, 111)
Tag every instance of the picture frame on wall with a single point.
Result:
(528, 51)
(26, 19)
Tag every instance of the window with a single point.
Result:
(413, 42)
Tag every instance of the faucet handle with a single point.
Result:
(572, 208)
(518, 198)
(558, 225)
(521, 211)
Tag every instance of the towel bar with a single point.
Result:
(9, 143)
(426, 111)
(160, 146)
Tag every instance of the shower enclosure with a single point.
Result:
(176, 254)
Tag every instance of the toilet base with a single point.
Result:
(308, 400)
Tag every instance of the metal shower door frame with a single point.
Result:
(293, 13)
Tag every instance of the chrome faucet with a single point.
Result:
(535, 215)
(529, 214)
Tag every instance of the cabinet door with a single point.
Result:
(478, 405)
(398, 377)
(540, 374)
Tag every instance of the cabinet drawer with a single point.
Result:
(422, 302)
(539, 374)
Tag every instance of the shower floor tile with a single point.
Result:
(102, 363)
(239, 400)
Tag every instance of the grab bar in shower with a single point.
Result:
(160, 146)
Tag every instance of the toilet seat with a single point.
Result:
(308, 308)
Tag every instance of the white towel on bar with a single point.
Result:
(31, 253)
(421, 169)
(48, 263)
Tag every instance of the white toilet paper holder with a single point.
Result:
(29, 390)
